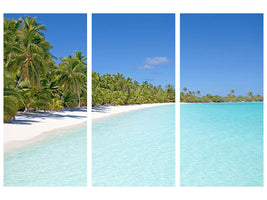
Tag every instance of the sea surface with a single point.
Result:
(60, 160)
(135, 149)
(221, 144)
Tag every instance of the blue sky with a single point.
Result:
(140, 46)
(220, 52)
(65, 32)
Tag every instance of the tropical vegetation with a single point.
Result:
(194, 97)
(33, 81)
(116, 89)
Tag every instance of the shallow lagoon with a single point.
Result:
(135, 149)
(60, 160)
(221, 144)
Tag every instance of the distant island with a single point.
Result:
(188, 96)
(32, 79)
(115, 89)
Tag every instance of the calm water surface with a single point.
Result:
(58, 161)
(221, 144)
(135, 149)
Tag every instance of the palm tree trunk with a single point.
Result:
(20, 79)
(79, 104)
(63, 93)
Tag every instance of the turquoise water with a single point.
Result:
(135, 149)
(221, 144)
(60, 160)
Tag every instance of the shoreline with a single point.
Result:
(222, 102)
(29, 128)
(103, 112)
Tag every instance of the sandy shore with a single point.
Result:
(32, 127)
(102, 112)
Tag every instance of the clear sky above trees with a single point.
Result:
(140, 46)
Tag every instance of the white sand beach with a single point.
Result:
(32, 127)
(101, 112)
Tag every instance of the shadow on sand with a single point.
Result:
(32, 117)
(102, 109)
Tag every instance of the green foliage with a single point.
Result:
(32, 80)
(190, 97)
(71, 74)
(117, 90)
(41, 100)
(70, 99)
(56, 104)
(11, 100)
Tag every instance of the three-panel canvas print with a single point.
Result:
(131, 97)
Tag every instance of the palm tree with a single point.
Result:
(71, 75)
(232, 91)
(250, 93)
(118, 78)
(41, 100)
(56, 104)
(11, 97)
(171, 92)
(198, 93)
(10, 104)
(118, 90)
(30, 52)
(10, 39)
(128, 84)
(239, 98)
(184, 89)
(31, 78)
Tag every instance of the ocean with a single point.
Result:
(135, 149)
(59, 160)
(221, 144)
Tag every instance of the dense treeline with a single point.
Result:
(32, 79)
(194, 97)
(117, 90)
